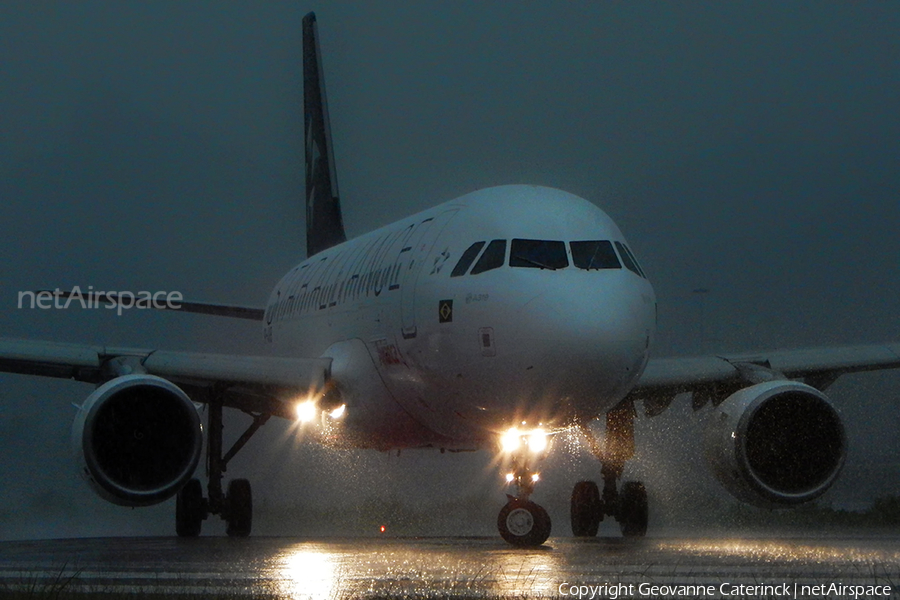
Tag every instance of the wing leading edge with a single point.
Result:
(264, 384)
(713, 378)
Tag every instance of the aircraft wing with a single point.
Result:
(264, 384)
(713, 378)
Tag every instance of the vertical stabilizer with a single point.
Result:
(324, 223)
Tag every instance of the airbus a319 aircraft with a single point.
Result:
(492, 321)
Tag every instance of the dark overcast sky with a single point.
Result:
(748, 148)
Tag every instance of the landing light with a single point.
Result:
(537, 441)
(535, 477)
(306, 411)
(510, 477)
(511, 440)
(338, 412)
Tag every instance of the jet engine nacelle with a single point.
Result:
(138, 439)
(776, 443)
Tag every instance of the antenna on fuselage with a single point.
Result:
(324, 222)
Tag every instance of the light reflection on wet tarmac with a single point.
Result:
(406, 567)
(432, 567)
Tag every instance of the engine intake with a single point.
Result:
(138, 439)
(776, 443)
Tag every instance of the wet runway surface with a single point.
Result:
(440, 567)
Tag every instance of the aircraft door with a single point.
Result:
(412, 260)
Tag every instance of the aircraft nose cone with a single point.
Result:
(591, 341)
(584, 316)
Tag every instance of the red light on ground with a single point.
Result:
(382, 528)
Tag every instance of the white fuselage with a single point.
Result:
(424, 355)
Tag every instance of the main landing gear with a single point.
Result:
(234, 507)
(628, 505)
(522, 522)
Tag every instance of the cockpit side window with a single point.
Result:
(492, 258)
(635, 261)
(628, 258)
(594, 255)
(466, 259)
(538, 254)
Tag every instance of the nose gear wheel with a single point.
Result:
(523, 523)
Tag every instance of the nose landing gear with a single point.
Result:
(522, 522)
(629, 505)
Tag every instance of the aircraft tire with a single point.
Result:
(633, 510)
(240, 508)
(523, 523)
(585, 509)
(189, 509)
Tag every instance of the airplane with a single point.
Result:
(494, 321)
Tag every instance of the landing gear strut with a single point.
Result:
(235, 507)
(522, 522)
(628, 505)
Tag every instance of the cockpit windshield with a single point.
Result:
(598, 254)
(589, 255)
(538, 254)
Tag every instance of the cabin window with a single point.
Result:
(492, 258)
(538, 254)
(466, 260)
(594, 255)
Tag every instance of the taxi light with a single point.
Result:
(535, 477)
(511, 440)
(338, 412)
(510, 477)
(306, 411)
